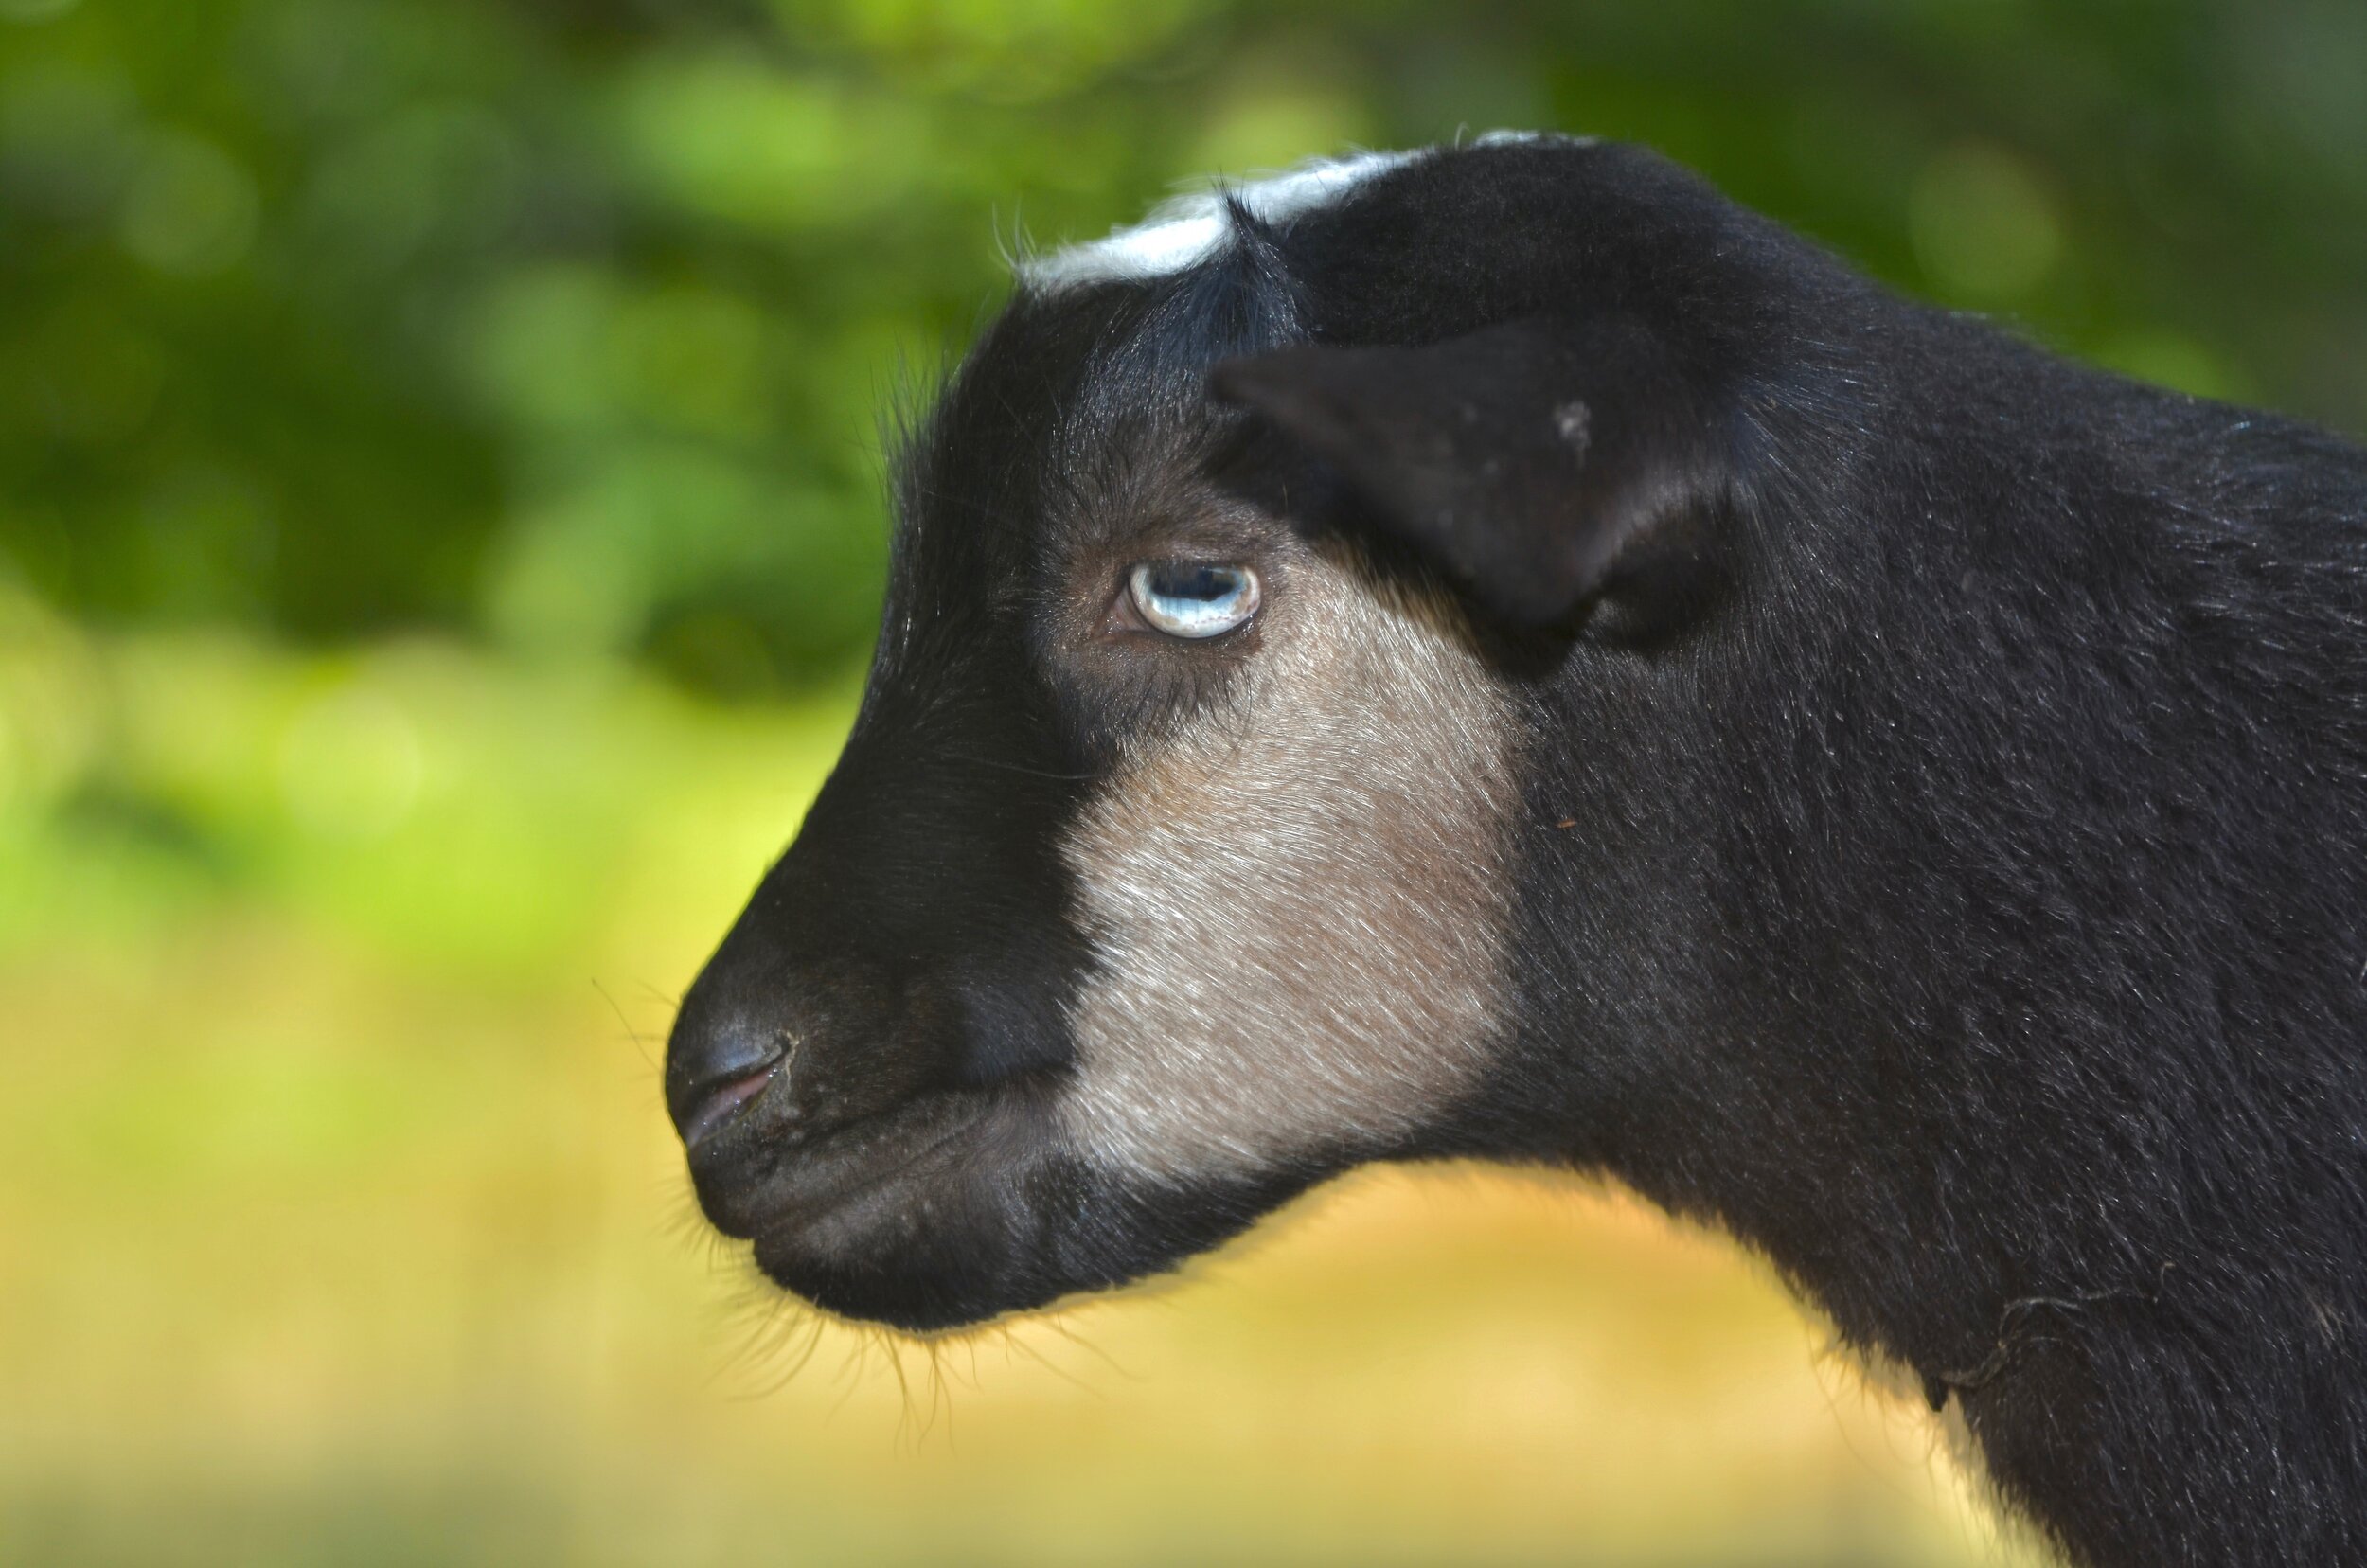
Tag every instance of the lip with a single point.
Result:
(758, 1172)
(718, 1108)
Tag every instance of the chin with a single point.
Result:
(950, 1210)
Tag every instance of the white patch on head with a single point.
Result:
(1188, 229)
(1299, 900)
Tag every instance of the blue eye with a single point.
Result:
(1193, 601)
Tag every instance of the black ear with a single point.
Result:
(1534, 462)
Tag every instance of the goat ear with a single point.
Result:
(1527, 460)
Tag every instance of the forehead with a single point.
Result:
(1082, 409)
(1081, 416)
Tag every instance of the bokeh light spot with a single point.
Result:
(350, 765)
(51, 703)
(2172, 358)
(1984, 227)
(191, 209)
(1274, 126)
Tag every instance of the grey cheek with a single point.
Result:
(1300, 904)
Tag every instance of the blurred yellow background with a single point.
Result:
(441, 529)
(343, 1224)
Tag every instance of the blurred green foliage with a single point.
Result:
(566, 323)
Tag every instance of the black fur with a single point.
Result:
(1965, 901)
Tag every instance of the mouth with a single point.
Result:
(922, 1216)
(762, 1168)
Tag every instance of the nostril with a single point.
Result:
(717, 1107)
(713, 1071)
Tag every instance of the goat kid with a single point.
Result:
(1498, 652)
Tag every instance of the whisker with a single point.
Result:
(1016, 767)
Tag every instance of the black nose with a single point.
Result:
(718, 1060)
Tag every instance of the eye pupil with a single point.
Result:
(1189, 599)
(1194, 582)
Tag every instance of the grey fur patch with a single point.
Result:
(1301, 898)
